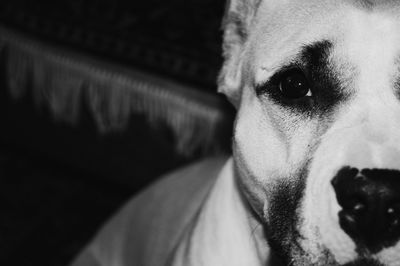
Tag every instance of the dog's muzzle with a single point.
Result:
(370, 202)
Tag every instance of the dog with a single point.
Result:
(314, 178)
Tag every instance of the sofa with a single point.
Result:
(108, 96)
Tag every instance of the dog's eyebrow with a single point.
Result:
(312, 54)
(316, 54)
(311, 57)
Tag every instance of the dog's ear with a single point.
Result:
(238, 18)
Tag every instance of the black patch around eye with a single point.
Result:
(273, 89)
(294, 85)
(313, 61)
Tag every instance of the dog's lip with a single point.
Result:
(364, 262)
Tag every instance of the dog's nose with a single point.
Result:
(370, 201)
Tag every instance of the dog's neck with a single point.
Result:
(225, 231)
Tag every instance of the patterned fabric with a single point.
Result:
(62, 81)
(178, 38)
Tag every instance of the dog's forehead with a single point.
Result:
(357, 29)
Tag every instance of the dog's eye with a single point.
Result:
(293, 84)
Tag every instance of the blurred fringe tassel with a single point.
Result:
(63, 81)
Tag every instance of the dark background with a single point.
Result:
(59, 183)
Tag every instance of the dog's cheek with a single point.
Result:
(259, 145)
(258, 151)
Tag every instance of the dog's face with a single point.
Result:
(317, 136)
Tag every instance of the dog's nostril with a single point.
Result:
(393, 214)
(355, 205)
(352, 211)
(358, 207)
(370, 201)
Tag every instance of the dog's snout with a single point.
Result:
(370, 201)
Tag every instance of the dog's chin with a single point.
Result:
(290, 252)
(300, 258)
(304, 260)
(364, 262)
(328, 262)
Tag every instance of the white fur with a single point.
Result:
(365, 132)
